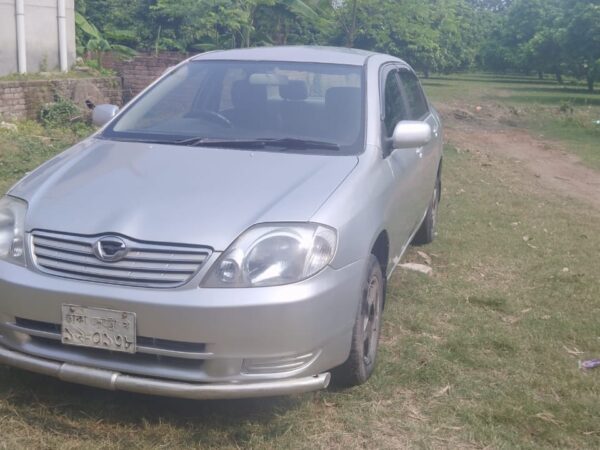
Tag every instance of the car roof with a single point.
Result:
(316, 54)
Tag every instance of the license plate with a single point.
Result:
(98, 328)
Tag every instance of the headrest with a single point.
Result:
(342, 96)
(246, 95)
(343, 107)
(295, 90)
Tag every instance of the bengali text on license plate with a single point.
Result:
(98, 328)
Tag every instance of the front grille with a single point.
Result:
(145, 264)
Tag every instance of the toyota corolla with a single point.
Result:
(229, 233)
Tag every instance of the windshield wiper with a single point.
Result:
(285, 143)
(209, 142)
(299, 144)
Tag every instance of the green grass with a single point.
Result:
(512, 89)
(23, 150)
(475, 356)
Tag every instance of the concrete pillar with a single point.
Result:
(21, 46)
(62, 36)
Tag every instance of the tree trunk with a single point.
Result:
(278, 34)
(352, 31)
(559, 78)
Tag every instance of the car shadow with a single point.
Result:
(32, 396)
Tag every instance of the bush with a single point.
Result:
(60, 113)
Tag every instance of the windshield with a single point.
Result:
(250, 100)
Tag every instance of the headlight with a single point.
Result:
(272, 255)
(12, 235)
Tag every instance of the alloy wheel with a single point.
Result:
(371, 317)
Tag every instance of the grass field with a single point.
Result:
(484, 354)
(567, 113)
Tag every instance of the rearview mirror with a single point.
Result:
(411, 134)
(102, 114)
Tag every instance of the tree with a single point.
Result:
(491, 5)
(432, 35)
(545, 36)
(583, 41)
(291, 22)
(545, 51)
(90, 41)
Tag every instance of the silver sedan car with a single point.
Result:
(229, 233)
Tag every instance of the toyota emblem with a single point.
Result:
(110, 249)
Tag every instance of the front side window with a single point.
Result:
(245, 100)
(395, 110)
(414, 95)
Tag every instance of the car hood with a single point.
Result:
(176, 194)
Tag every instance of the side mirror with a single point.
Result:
(102, 114)
(411, 134)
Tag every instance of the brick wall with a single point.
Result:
(138, 72)
(24, 99)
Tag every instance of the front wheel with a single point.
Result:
(365, 336)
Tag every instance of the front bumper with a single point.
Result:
(255, 342)
(116, 381)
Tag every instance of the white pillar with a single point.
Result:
(62, 36)
(21, 47)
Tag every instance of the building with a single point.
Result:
(36, 35)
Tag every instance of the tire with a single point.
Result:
(365, 336)
(426, 232)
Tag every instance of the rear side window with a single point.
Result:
(395, 110)
(414, 95)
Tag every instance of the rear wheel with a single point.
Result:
(365, 336)
(426, 232)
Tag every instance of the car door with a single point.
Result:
(418, 109)
(404, 207)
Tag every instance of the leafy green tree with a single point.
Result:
(546, 36)
(582, 40)
(290, 22)
(89, 40)
(490, 5)
(545, 51)
(432, 35)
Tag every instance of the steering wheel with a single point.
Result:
(213, 116)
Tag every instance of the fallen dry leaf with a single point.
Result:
(444, 391)
(574, 351)
(547, 417)
(421, 268)
(425, 257)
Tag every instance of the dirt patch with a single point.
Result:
(493, 130)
